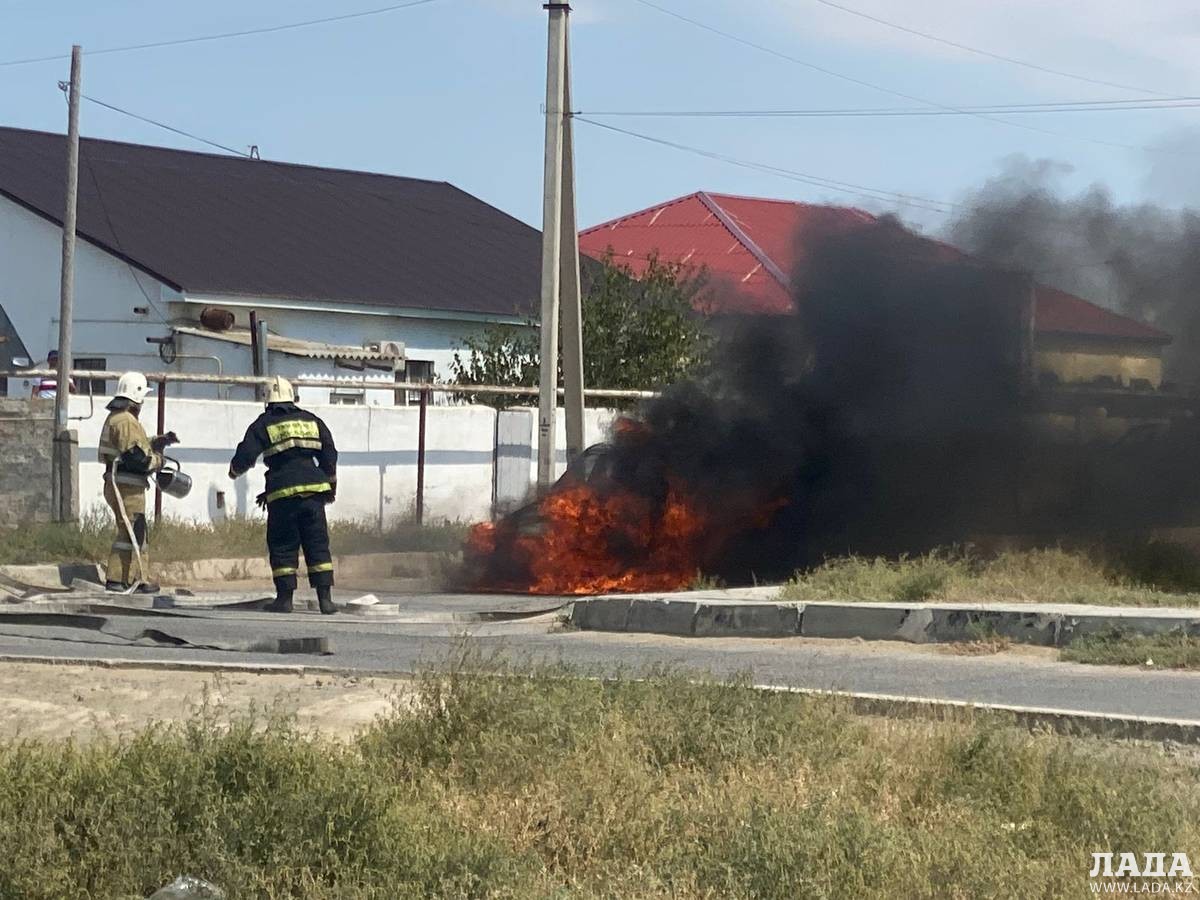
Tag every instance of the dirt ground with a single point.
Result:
(60, 701)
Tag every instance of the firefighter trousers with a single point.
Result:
(292, 523)
(122, 564)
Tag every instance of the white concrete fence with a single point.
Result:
(474, 458)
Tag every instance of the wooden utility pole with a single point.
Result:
(64, 492)
(560, 259)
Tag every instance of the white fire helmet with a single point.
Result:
(280, 391)
(133, 387)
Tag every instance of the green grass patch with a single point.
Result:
(548, 786)
(175, 540)
(1116, 648)
(1151, 574)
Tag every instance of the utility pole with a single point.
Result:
(551, 239)
(572, 303)
(560, 258)
(64, 492)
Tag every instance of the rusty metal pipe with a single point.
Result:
(424, 403)
(162, 429)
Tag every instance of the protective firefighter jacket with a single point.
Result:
(296, 448)
(123, 440)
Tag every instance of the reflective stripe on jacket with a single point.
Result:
(296, 448)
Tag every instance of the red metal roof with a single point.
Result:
(1063, 313)
(752, 247)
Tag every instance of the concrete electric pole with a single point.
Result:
(571, 297)
(64, 493)
(560, 259)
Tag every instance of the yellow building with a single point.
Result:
(1077, 343)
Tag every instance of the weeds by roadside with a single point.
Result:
(175, 540)
(1116, 648)
(1143, 576)
(983, 641)
(546, 785)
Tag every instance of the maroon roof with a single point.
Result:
(207, 223)
(751, 248)
(1063, 313)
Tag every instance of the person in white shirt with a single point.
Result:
(47, 388)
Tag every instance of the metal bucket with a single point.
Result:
(173, 481)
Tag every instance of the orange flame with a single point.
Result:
(591, 543)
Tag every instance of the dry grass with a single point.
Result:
(1142, 576)
(548, 786)
(174, 540)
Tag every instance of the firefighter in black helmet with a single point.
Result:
(301, 462)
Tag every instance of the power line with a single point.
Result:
(133, 273)
(943, 207)
(996, 56)
(903, 112)
(163, 125)
(270, 29)
(762, 48)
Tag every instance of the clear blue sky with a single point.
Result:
(451, 91)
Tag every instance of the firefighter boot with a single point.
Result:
(325, 600)
(282, 602)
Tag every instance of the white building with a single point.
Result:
(338, 264)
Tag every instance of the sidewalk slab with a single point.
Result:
(751, 612)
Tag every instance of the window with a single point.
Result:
(347, 397)
(415, 371)
(96, 386)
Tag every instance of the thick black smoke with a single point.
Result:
(1140, 259)
(890, 414)
(882, 417)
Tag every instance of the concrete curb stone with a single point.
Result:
(53, 575)
(746, 619)
(662, 616)
(724, 614)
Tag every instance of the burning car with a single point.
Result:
(619, 520)
(613, 522)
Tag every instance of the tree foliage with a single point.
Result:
(638, 334)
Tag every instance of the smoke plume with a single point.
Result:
(1140, 259)
(880, 418)
(889, 414)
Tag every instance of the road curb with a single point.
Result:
(53, 575)
(1069, 722)
(429, 566)
(722, 614)
(1117, 726)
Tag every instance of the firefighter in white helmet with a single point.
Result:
(129, 457)
(301, 460)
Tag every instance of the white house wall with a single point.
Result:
(377, 465)
(106, 293)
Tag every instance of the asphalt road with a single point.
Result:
(432, 631)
